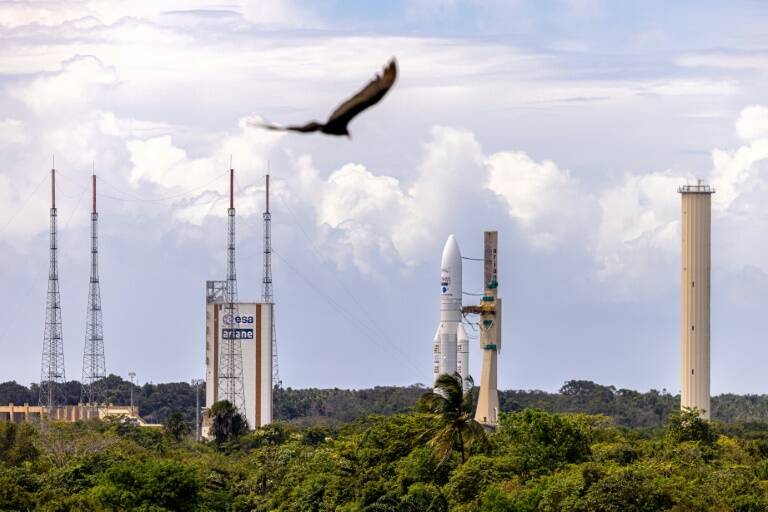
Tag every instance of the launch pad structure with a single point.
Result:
(239, 336)
(489, 310)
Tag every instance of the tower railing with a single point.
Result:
(696, 189)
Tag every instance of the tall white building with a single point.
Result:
(253, 325)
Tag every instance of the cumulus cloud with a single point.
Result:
(740, 177)
(73, 85)
(753, 123)
(630, 226)
(736, 173)
(546, 200)
(639, 228)
(375, 216)
(160, 161)
(370, 216)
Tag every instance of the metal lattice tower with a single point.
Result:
(266, 284)
(94, 366)
(231, 356)
(52, 367)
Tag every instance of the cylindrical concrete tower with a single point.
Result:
(694, 295)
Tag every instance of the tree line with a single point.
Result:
(338, 406)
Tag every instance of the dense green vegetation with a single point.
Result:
(431, 459)
(334, 407)
(156, 401)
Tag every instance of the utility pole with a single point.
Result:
(132, 375)
(196, 383)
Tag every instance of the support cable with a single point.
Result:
(20, 303)
(340, 309)
(138, 199)
(335, 275)
(24, 203)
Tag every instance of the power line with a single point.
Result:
(138, 199)
(24, 203)
(373, 328)
(341, 310)
(335, 275)
(19, 303)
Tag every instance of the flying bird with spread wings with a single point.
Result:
(344, 113)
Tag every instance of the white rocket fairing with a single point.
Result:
(451, 346)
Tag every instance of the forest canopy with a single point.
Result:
(431, 458)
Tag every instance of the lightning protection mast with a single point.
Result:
(94, 365)
(52, 367)
(231, 357)
(266, 283)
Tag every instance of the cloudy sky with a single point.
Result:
(566, 125)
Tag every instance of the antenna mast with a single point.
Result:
(266, 282)
(52, 367)
(231, 357)
(94, 365)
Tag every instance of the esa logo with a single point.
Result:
(244, 319)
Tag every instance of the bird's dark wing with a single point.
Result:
(312, 126)
(368, 96)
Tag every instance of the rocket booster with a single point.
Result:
(451, 349)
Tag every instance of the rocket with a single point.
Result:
(451, 350)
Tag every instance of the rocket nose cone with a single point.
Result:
(451, 253)
(450, 267)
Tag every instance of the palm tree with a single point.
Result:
(227, 423)
(457, 429)
(176, 426)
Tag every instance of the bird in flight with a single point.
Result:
(344, 113)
